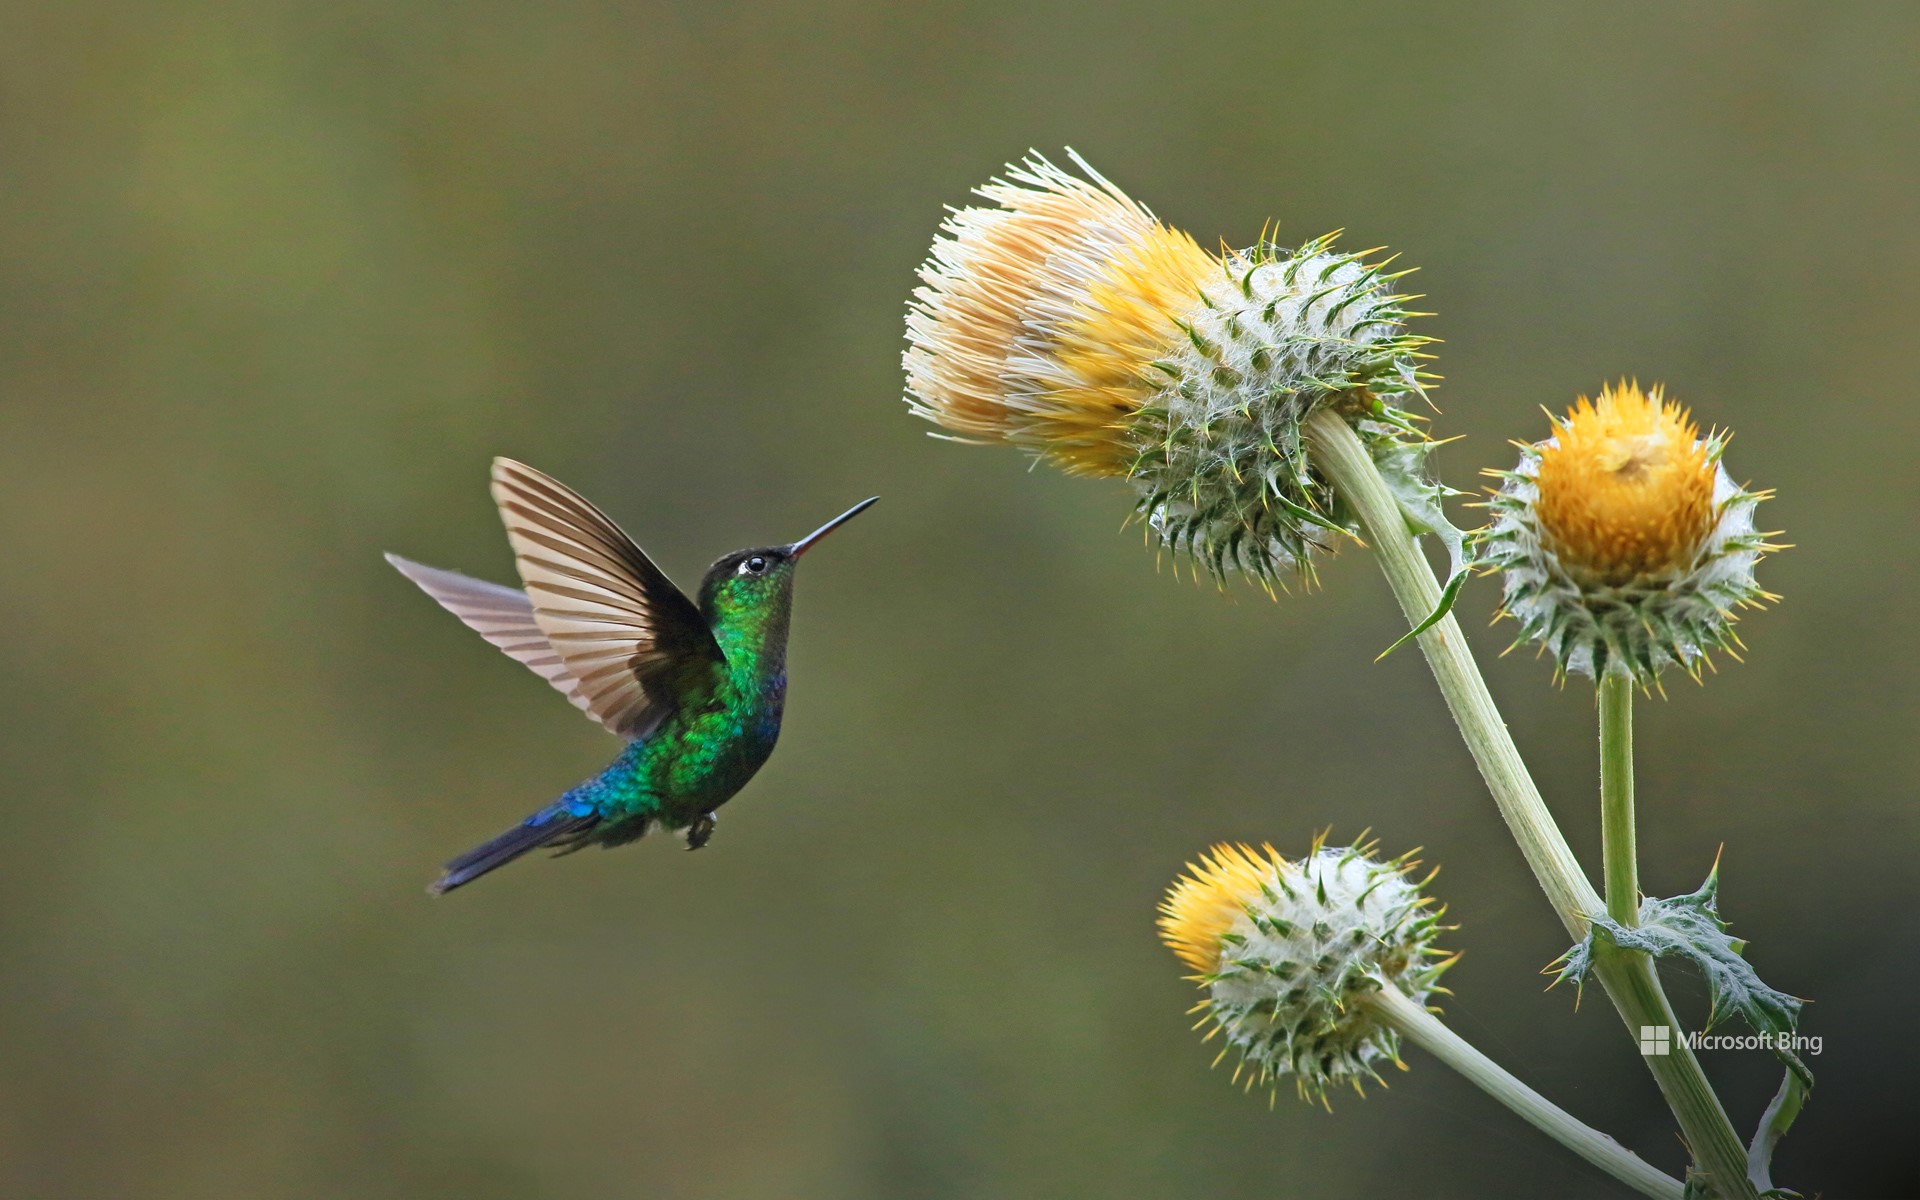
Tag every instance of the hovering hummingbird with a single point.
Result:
(697, 690)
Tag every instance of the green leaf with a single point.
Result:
(1403, 464)
(1773, 1126)
(1448, 595)
(1690, 927)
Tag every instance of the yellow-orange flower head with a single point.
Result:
(1288, 952)
(1203, 906)
(1624, 544)
(1067, 320)
(1625, 487)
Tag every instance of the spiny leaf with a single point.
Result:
(1448, 595)
(1690, 927)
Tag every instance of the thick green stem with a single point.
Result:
(1619, 858)
(1428, 1032)
(1339, 453)
(1633, 984)
(1629, 979)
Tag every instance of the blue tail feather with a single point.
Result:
(557, 824)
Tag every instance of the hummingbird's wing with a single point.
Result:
(502, 615)
(635, 645)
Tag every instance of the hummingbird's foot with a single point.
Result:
(701, 831)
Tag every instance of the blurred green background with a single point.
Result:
(276, 279)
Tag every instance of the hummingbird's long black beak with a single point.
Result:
(804, 544)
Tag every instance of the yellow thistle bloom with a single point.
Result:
(1625, 487)
(1624, 543)
(1068, 321)
(1288, 953)
(1201, 907)
(1040, 316)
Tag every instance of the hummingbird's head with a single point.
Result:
(760, 580)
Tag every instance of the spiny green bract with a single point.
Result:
(1295, 970)
(1223, 472)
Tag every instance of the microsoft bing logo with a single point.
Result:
(1659, 1040)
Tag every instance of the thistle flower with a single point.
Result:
(1623, 543)
(1068, 321)
(1291, 954)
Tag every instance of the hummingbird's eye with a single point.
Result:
(754, 565)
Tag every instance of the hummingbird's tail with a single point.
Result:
(554, 825)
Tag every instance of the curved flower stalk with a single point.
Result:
(1622, 542)
(1068, 321)
(1317, 970)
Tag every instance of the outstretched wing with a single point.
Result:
(502, 615)
(636, 647)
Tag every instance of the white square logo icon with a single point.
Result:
(1655, 1039)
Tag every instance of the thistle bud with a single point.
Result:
(1070, 322)
(1623, 543)
(1289, 953)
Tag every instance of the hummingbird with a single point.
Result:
(696, 689)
